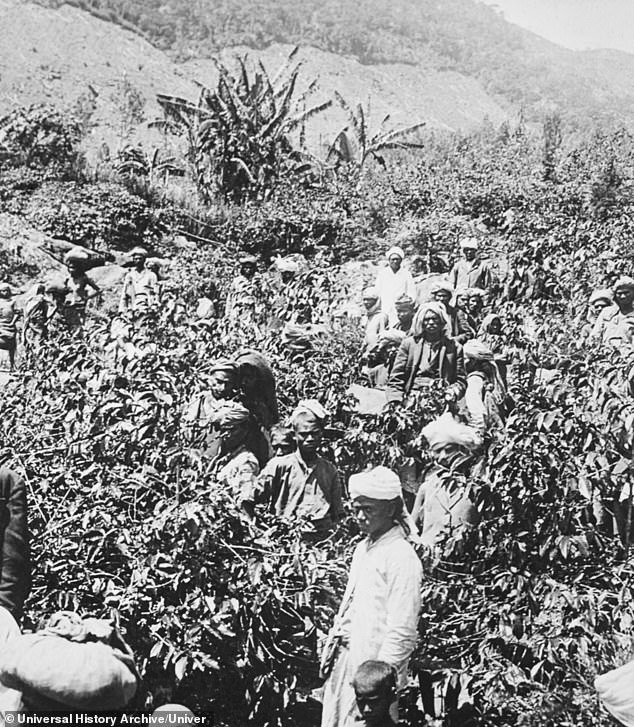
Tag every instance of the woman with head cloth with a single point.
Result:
(235, 466)
(394, 281)
(257, 387)
(378, 615)
(375, 320)
(428, 355)
(492, 335)
(486, 391)
(475, 307)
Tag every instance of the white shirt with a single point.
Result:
(140, 290)
(382, 617)
(391, 285)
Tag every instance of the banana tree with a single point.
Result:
(246, 133)
(355, 144)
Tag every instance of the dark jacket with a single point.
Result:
(15, 570)
(450, 367)
(461, 331)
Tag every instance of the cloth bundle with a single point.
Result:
(83, 664)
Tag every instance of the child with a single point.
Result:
(375, 691)
(282, 441)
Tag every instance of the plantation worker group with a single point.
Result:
(440, 343)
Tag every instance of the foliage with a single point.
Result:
(100, 216)
(355, 144)
(526, 611)
(39, 136)
(239, 134)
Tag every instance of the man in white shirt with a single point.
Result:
(393, 282)
(140, 286)
(378, 616)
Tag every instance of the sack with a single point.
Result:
(329, 654)
(84, 259)
(15, 556)
(75, 669)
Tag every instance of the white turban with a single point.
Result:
(396, 250)
(371, 293)
(447, 430)
(310, 411)
(285, 265)
(469, 242)
(476, 350)
(436, 308)
(601, 294)
(442, 285)
(379, 483)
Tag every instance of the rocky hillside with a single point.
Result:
(465, 36)
(71, 58)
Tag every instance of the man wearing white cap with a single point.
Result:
(615, 323)
(378, 615)
(470, 271)
(140, 285)
(302, 483)
(442, 503)
(394, 281)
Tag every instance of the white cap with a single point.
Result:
(379, 483)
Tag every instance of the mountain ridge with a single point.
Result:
(512, 64)
(97, 59)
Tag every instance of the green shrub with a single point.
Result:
(40, 136)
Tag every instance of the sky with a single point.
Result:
(577, 24)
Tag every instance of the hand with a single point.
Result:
(451, 395)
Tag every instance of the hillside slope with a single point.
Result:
(64, 55)
(465, 36)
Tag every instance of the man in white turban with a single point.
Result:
(378, 615)
(470, 271)
(615, 324)
(442, 503)
(394, 281)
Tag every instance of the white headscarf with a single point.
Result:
(601, 294)
(379, 483)
(395, 250)
(309, 410)
(447, 430)
(469, 242)
(437, 308)
(476, 350)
